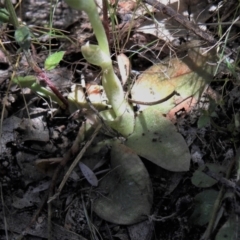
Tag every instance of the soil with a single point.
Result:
(37, 134)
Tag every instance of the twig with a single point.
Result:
(75, 162)
(188, 24)
(154, 102)
(182, 20)
(216, 205)
(67, 157)
(224, 181)
(105, 18)
(4, 214)
(34, 218)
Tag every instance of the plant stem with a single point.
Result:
(12, 14)
(105, 18)
(90, 8)
(114, 92)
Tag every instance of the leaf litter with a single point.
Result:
(219, 144)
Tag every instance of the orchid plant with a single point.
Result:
(149, 134)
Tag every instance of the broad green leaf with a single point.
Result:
(23, 37)
(156, 139)
(26, 81)
(127, 189)
(203, 205)
(200, 179)
(229, 230)
(53, 60)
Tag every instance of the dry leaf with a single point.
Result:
(124, 66)
(88, 174)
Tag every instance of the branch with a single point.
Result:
(182, 20)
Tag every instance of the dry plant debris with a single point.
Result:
(101, 199)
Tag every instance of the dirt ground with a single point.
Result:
(37, 134)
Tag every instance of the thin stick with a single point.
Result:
(187, 24)
(154, 102)
(217, 203)
(4, 214)
(75, 162)
(105, 18)
(182, 20)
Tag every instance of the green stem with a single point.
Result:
(114, 92)
(90, 8)
(13, 17)
(123, 121)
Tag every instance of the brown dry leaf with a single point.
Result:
(127, 6)
(124, 66)
(167, 28)
(77, 98)
(33, 130)
(188, 76)
(48, 166)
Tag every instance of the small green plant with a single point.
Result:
(150, 134)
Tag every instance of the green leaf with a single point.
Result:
(156, 139)
(86, 6)
(204, 120)
(23, 37)
(26, 81)
(203, 203)
(123, 124)
(4, 15)
(229, 230)
(32, 83)
(200, 179)
(128, 190)
(53, 60)
(94, 55)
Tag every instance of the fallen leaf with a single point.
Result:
(187, 76)
(203, 203)
(200, 179)
(230, 229)
(124, 66)
(48, 166)
(88, 174)
(128, 190)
